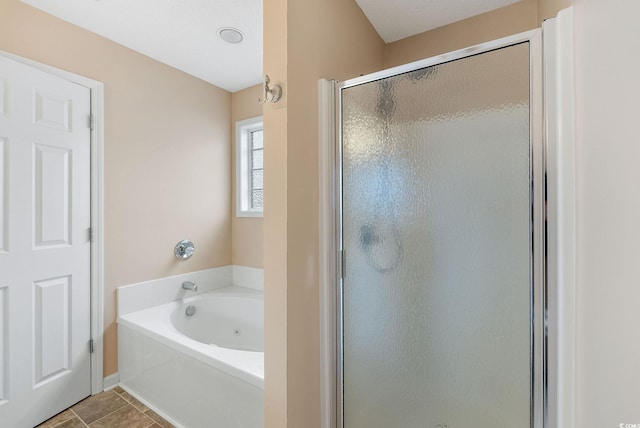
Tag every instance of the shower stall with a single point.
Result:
(439, 300)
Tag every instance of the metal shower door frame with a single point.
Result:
(538, 304)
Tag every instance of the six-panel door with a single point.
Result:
(44, 244)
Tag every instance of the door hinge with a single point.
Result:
(91, 234)
(91, 345)
(343, 264)
(91, 122)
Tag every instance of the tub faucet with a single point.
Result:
(188, 285)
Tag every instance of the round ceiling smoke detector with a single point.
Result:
(230, 35)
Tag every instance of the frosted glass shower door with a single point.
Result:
(437, 230)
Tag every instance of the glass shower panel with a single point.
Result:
(436, 309)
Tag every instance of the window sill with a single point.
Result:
(254, 214)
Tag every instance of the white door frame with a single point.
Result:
(561, 214)
(97, 210)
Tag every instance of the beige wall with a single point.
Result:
(607, 66)
(519, 17)
(167, 151)
(304, 41)
(275, 218)
(246, 232)
(522, 16)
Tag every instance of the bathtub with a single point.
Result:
(200, 371)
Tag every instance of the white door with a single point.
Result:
(44, 244)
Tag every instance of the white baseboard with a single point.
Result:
(111, 381)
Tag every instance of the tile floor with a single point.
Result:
(110, 409)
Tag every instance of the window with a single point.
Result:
(249, 168)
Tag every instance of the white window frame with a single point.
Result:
(244, 128)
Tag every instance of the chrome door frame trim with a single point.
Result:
(538, 392)
(515, 39)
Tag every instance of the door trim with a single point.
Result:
(561, 232)
(327, 260)
(97, 210)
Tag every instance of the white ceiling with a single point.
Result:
(184, 33)
(180, 33)
(397, 19)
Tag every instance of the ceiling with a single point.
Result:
(184, 33)
(180, 33)
(397, 19)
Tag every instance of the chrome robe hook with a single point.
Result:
(271, 95)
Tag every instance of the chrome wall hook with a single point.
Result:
(271, 95)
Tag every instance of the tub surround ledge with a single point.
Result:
(147, 294)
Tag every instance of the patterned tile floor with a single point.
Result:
(110, 409)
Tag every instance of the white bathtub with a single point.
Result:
(202, 383)
(227, 319)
